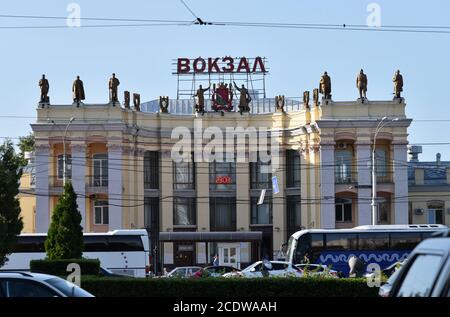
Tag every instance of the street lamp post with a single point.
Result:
(64, 150)
(380, 125)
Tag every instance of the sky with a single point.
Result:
(141, 57)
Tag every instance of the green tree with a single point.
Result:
(11, 223)
(65, 234)
(26, 144)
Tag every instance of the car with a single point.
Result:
(215, 271)
(25, 284)
(386, 288)
(318, 270)
(183, 271)
(269, 269)
(108, 273)
(427, 271)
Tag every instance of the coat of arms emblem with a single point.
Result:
(222, 98)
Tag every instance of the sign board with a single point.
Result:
(226, 64)
(261, 198)
(275, 187)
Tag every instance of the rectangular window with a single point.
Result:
(343, 210)
(101, 212)
(343, 166)
(68, 166)
(261, 214)
(184, 211)
(373, 241)
(261, 176)
(222, 175)
(337, 241)
(381, 166)
(222, 214)
(436, 216)
(405, 240)
(184, 174)
(151, 170)
(383, 210)
(293, 217)
(100, 170)
(292, 169)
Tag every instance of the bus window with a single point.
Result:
(405, 240)
(341, 241)
(29, 244)
(302, 249)
(373, 241)
(316, 246)
(95, 244)
(125, 243)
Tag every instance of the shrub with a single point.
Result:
(227, 287)
(59, 267)
(65, 234)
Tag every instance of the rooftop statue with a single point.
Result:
(325, 86)
(78, 90)
(361, 84)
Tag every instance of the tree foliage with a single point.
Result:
(65, 234)
(11, 223)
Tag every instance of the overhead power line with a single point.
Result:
(168, 22)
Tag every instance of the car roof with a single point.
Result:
(36, 276)
(434, 244)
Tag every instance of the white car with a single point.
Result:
(317, 270)
(25, 284)
(183, 271)
(271, 268)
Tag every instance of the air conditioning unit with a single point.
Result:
(342, 146)
(418, 211)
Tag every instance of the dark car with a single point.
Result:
(427, 271)
(107, 273)
(215, 271)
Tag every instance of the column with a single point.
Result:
(79, 179)
(400, 184)
(115, 186)
(327, 209)
(43, 169)
(279, 206)
(363, 163)
(166, 211)
(242, 196)
(202, 177)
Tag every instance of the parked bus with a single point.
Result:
(383, 245)
(124, 252)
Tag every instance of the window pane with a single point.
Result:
(94, 243)
(337, 241)
(184, 211)
(292, 168)
(262, 214)
(421, 276)
(373, 241)
(98, 215)
(27, 288)
(338, 212)
(343, 166)
(223, 214)
(125, 243)
(381, 162)
(105, 215)
(347, 212)
(405, 241)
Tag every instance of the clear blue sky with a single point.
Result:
(141, 56)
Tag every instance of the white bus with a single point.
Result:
(382, 244)
(124, 252)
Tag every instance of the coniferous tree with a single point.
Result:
(65, 234)
(11, 223)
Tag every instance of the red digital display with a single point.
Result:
(223, 180)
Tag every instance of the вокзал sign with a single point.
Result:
(220, 65)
